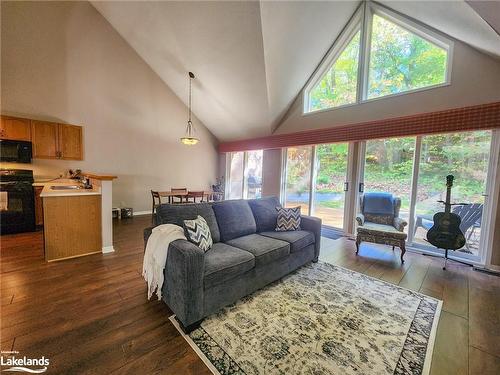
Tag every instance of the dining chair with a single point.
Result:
(194, 195)
(178, 190)
(155, 195)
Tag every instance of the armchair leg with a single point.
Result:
(403, 251)
(393, 248)
(358, 242)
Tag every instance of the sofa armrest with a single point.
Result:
(183, 283)
(147, 233)
(360, 218)
(399, 224)
(312, 224)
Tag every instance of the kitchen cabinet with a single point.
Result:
(56, 141)
(70, 142)
(14, 128)
(38, 205)
(72, 226)
(44, 138)
(50, 140)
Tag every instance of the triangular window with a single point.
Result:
(396, 55)
(338, 85)
(401, 60)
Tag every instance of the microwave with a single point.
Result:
(15, 151)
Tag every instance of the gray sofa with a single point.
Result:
(247, 254)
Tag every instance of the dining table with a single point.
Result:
(185, 195)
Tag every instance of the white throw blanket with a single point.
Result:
(155, 255)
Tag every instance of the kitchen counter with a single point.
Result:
(76, 222)
(48, 192)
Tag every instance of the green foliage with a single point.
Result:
(331, 204)
(338, 86)
(331, 164)
(298, 169)
(399, 61)
(402, 61)
(389, 168)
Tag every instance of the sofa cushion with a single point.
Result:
(235, 219)
(223, 262)
(177, 213)
(265, 213)
(297, 239)
(265, 249)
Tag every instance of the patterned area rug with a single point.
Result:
(321, 319)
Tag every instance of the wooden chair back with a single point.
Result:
(178, 190)
(196, 194)
(155, 195)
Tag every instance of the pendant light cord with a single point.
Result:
(190, 80)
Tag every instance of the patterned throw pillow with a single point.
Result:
(288, 219)
(198, 232)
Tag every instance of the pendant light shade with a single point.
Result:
(189, 139)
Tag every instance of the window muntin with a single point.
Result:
(401, 60)
(339, 84)
(429, 65)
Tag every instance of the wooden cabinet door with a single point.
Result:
(38, 206)
(70, 142)
(44, 138)
(17, 129)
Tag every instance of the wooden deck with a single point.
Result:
(90, 315)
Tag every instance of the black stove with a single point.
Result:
(17, 201)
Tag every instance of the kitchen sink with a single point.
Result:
(65, 187)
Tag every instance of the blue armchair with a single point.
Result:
(379, 221)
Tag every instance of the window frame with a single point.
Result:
(362, 20)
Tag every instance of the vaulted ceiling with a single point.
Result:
(252, 58)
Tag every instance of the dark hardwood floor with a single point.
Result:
(91, 315)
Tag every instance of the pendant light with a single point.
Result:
(189, 139)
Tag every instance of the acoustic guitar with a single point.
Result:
(446, 233)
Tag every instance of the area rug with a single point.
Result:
(321, 319)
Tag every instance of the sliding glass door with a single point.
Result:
(415, 169)
(330, 183)
(244, 174)
(316, 180)
(236, 175)
(388, 165)
(253, 174)
(298, 172)
(466, 157)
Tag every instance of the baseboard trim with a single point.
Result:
(108, 249)
(139, 213)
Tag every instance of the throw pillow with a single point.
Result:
(288, 219)
(198, 232)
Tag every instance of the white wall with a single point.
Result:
(62, 61)
(271, 172)
(475, 80)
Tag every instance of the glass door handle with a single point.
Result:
(361, 187)
(346, 186)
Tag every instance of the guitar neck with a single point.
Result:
(447, 205)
